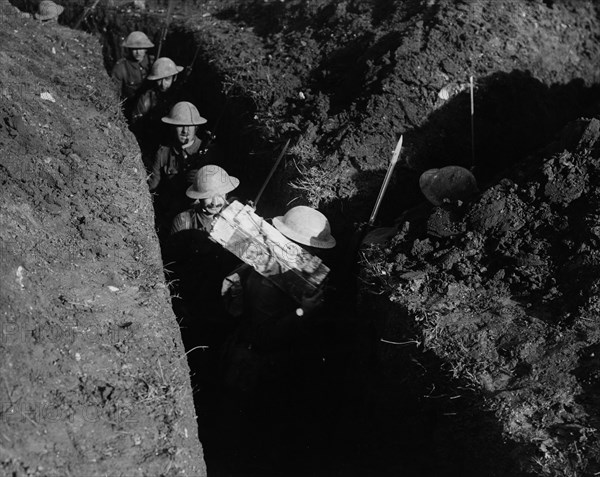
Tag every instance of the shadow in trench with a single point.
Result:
(367, 408)
(416, 419)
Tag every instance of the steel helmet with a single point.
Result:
(184, 114)
(163, 68)
(211, 180)
(450, 183)
(306, 226)
(48, 10)
(137, 40)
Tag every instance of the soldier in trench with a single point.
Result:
(153, 104)
(197, 267)
(200, 263)
(176, 163)
(130, 72)
(274, 363)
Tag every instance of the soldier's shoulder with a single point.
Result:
(162, 153)
(182, 221)
(119, 66)
(163, 149)
(146, 99)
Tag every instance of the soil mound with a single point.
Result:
(505, 292)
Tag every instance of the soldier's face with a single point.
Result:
(138, 54)
(185, 133)
(165, 83)
(211, 206)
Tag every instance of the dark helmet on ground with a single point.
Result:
(450, 183)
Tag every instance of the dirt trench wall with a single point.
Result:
(505, 292)
(94, 377)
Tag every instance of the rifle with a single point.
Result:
(163, 34)
(86, 12)
(264, 186)
(187, 71)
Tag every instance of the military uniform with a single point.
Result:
(129, 77)
(197, 260)
(170, 177)
(173, 164)
(199, 266)
(145, 120)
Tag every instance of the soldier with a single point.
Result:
(48, 11)
(272, 315)
(209, 193)
(153, 104)
(200, 263)
(175, 165)
(199, 266)
(274, 363)
(129, 73)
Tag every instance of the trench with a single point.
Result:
(377, 408)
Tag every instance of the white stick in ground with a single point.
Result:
(472, 122)
(386, 180)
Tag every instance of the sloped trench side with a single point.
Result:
(94, 375)
(505, 291)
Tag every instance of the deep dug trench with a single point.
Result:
(490, 377)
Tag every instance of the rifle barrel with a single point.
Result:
(271, 172)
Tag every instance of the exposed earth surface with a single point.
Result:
(471, 342)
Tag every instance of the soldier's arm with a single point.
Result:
(141, 108)
(181, 222)
(275, 330)
(154, 178)
(117, 77)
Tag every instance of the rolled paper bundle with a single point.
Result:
(256, 242)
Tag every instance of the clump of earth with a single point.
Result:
(480, 325)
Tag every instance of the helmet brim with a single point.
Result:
(225, 189)
(175, 122)
(302, 239)
(179, 69)
(141, 46)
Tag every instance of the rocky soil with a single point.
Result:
(505, 292)
(479, 320)
(94, 375)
